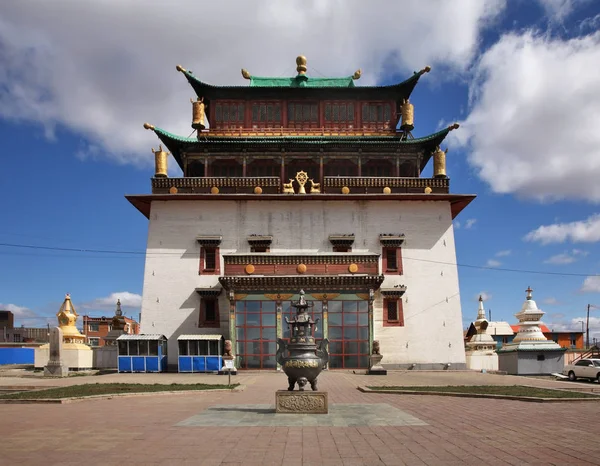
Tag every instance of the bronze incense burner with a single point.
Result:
(302, 359)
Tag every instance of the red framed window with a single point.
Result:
(392, 260)
(266, 114)
(209, 313)
(348, 328)
(256, 334)
(393, 313)
(210, 260)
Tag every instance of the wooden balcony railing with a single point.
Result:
(272, 185)
(373, 184)
(277, 132)
(268, 185)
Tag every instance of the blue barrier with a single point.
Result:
(16, 356)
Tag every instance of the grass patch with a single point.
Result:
(507, 390)
(110, 389)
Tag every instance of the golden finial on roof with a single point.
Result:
(148, 126)
(245, 73)
(480, 298)
(453, 126)
(427, 69)
(180, 69)
(357, 74)
(301, 64)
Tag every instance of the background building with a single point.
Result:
(96, 328)
(305, 183)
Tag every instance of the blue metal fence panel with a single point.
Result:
(185, 364)
(213, 363)
(124, 364)
(152, 364)
(16, 356)
(199, 363)
(138, 364)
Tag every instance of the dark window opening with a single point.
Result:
(392, 262)
(210, 313)
(210, 259)
(342, 248)
(392, 309)
(260, 248)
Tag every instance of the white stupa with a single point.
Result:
(480, 352)
(530, 334)
(530, 352)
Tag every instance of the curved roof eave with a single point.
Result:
(178, 144)
(404, 88)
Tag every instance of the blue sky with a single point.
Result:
(521, 77)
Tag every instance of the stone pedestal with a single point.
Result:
(55, 366)
(375, 367)
(301, 402)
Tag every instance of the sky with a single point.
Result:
(78, 79)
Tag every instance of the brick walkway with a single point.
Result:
(457, 431)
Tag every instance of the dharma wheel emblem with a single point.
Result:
(301, 178)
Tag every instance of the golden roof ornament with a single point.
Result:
(407, 112)
(149, 126)
(245, 73)
(180, 68)
(357, 74)
(198, 113)
(439, 163)
(160, 162)
(301, 64)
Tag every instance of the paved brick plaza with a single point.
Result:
(420, 429)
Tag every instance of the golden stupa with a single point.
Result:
(67, 319)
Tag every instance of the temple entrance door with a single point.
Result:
(256, 334)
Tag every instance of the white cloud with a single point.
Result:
(493, 263)
(19, 312)
(109, 302)
(566, 257)
(456, 224)
(470, 222)
(591, 284)
(535, 102)
(104, 68)
(484, 295)
(504, 253)
(558, 10)
(582, 231)
(551, 301)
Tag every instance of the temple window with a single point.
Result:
(260, 243)
(209, 312)
(342, 243)
(341, 168)
(266, 114)
(339, 114)
(378, 168)
(376, 115)
(210, 259)
(303, 115)
(226, 168)
(263, 168)
(393, 313)
(209, 307)
(229, 114)
(391, 253)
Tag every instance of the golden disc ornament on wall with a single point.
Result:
(428, 190)
(345, 190)
(258, 190)
(387, 190)
(353, 268)
(301, 268)
(173, 190)
(214, 190)
(249, 269)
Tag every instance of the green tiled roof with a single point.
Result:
(178, 144)
(335, 86)
(301, 81)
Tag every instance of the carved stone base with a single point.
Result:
(58, 370)
(376, 367)
(297, 402)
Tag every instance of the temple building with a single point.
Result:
(305, 183)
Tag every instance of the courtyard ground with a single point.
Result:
(362, 428)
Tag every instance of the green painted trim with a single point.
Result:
(301, 81)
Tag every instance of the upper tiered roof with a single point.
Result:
(342, 87)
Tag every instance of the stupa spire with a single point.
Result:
(481, 310)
